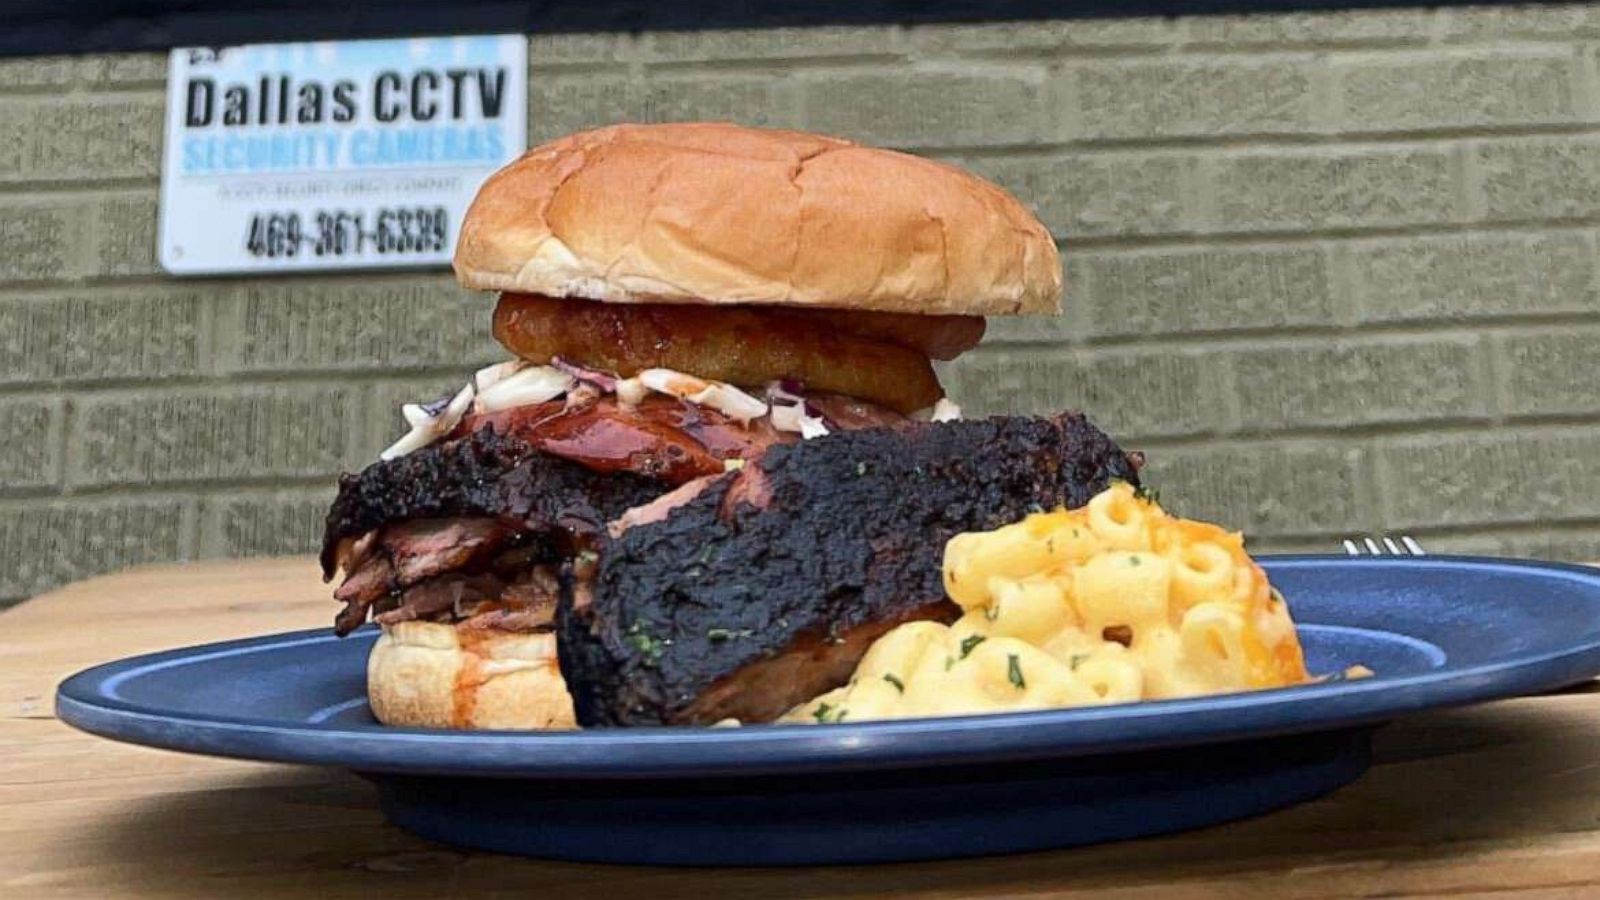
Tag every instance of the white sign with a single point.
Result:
(334, 155)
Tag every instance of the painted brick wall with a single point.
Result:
(1334, 273)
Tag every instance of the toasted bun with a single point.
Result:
(421, 674)
(718, 213)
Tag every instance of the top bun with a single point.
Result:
(719, 213)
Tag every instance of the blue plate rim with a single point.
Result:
(775, 749)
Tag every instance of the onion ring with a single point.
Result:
(746, 346)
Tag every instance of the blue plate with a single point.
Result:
(1439, 631)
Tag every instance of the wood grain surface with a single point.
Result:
(1497, 801)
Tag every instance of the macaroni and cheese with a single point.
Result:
(1111, 603)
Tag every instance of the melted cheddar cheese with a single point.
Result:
(1111, 603)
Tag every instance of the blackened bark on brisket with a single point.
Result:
(483, 474)
(765, 589)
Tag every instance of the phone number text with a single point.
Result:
(339, 233)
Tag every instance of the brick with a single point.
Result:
(1528, 475)
(1539, 178)
(925, 108)
(1263, 489)
(1300, 190)
(296, 431)
(1582, 546)
(35, 72)
(348, 324)
(139, 333)
(1216, 289)
(723, 45)
(1099, 195)
(1496, 23)
(1127, 100)
(1439, 91)
(1322, 386)
(1365, 26)
(81, 139)
(50, 544)
(1130, 395)
(1551, 373)
(1467, 544)
(1174, 291)
(561, 104)
(126, 235)
(1064, 328)
(30, 430)
(37, 241)
(125, 70)
(547, 50)
(1012, 37)
(1473, 276)
(277, 523)
(747, 99)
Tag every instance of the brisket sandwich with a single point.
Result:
(720, 462)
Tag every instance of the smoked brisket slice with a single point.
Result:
(482, 474)
(765, 588)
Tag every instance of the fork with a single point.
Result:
(1383, 545)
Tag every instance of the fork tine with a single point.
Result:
(1382, 545)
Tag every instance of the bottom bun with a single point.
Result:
(432, 675)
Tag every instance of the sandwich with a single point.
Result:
(719, 462)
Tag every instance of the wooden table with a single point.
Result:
(1498, 801)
